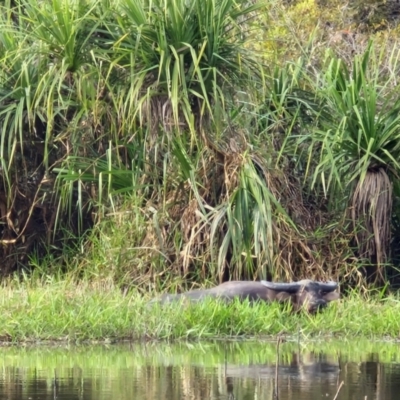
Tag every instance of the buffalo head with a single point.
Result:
(307, 294)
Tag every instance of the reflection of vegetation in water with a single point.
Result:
(207, 354)
(179, 371)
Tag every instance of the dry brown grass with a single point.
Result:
(372, 208)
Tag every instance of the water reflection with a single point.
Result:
(215, 371)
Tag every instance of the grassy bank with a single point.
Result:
(75, 312)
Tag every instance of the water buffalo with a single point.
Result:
(311, 295)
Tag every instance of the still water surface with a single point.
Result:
(198, 371)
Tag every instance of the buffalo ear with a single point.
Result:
(283, 296)
(331, 296)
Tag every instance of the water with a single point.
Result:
(198, 371)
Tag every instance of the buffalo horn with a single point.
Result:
(328, 286)
(283, 287)
(324, 286)
(295, 286)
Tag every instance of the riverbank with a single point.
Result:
(63, 310)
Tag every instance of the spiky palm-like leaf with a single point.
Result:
(181, 54)
(361, 147)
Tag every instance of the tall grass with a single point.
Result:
(66, 310)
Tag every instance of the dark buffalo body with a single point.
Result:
(311, 295)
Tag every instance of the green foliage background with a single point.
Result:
(165, 142)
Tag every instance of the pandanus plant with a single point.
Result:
(360, 148)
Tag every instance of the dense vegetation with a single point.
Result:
(156, 142)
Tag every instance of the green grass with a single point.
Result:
(75, 312)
